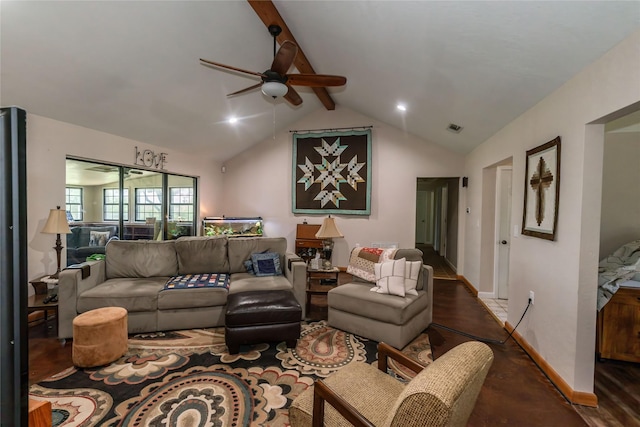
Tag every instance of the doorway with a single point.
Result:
(436, 227)
(503, 227)
(496, 238)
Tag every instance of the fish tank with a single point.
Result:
(232, 226)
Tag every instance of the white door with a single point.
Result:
(421, 217)
(444, 201)
(503, 227)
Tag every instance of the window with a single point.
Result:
(73, 197)
(181, 204)
(148, 203)
(111, 204)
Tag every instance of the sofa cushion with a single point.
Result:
(355, 298)
(240, 249)
(133, 294)
(140, 258)
(202, 255)
(243, 282)
(171, 299)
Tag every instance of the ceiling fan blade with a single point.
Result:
(229, 67)
(316, 80)
(292, 96)
(247, 89)
(284, 57)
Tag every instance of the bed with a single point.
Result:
(621, 268)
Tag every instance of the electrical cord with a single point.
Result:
(481, 339)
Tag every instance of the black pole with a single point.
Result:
(14, 359)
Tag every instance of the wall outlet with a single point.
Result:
(532, 297)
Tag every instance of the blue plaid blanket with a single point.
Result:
(206, 280)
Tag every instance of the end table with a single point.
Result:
(320, 282)
(36, 302)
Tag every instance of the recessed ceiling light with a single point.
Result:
(233, 120)
(454, 128)
(401, 107)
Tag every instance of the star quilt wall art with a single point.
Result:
(332, 172)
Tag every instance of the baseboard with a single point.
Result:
(468, 284)
(451, 266)
(575, 397)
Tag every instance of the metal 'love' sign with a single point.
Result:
(150, 159)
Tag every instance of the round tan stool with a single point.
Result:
(99, 336)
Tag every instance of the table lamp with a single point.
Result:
(57, 224)
(328, 230)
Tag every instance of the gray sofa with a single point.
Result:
(135, 272)
(80, 244)
(384, 318)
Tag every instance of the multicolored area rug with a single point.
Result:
(187, 378)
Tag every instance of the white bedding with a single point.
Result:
(621, 266)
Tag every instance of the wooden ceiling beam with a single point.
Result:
(267, 12)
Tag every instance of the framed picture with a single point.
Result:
(332, 173)
(542, 191)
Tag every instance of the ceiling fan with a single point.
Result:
(275, 81)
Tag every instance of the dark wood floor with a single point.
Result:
(617, 384)
(515, 393)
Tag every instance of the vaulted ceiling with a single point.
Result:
(131, 68)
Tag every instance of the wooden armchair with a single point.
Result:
(442, 394)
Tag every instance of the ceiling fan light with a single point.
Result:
(274, 89)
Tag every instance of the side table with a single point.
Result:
(320, 282)
(36, 302)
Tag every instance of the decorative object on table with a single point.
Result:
(328, 230)
(52, 286)
(307, 245)
(57, 224)
(332, 172)
(542, 191)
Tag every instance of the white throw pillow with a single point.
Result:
(390, 277)
(411, 272)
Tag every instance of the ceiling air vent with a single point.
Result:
(454, 128)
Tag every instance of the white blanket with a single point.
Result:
(620, 266)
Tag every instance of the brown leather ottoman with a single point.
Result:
(262, 316)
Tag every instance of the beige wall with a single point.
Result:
(620, 191)
(258, 182)
(50, 141)
(563, 273)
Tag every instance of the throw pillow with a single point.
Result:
(98, 238)
(411, 272)
(248, 264)
(266, 264)
(390, 277)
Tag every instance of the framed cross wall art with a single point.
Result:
(332, 172)
(542, 191)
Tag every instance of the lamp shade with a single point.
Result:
(57, 222)
(274, 89)
(328, 229)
